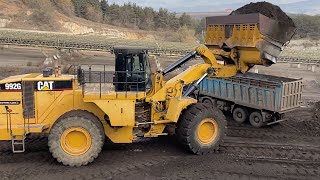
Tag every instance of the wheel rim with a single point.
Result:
(207, 131)
(239, 115)
(256, 119)
(76, 141)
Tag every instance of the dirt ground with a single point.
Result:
(290, 150)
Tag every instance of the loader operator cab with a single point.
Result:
(132, 69)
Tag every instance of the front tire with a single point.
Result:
(76, 139)
(201, 128)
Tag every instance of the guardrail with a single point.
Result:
(286, 59)
(86, 42)
(101, 43)
(58, 44)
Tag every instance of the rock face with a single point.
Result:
(267, 9)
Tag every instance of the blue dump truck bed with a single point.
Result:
(253, 92)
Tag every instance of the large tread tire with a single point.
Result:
(240, 114)
(87, 115)
(81, 119)
(190, 120)
(256, 119)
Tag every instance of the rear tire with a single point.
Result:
(76, 139)
(240, 114)
(256, 119)
(201, 128)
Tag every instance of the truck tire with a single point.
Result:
(256, 119)
(76, 139)
(209, 101)
(240, 114)
(201, 128)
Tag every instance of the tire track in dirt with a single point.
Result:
(268, 134)
(296, 160)
(114, 160)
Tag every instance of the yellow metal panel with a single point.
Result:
(89, 97)
(191, 74)
(119, 135)
(120, 112)
(40, 77)
(61, 105)
(33, 75)
(115, 134)
(215, 35)
(227, 71)
(155, 130)
(13, 78)
(17, 111)
(44, 100)
(176, 106)
(20, 130)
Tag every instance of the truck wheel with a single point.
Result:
(210, 102)
(240, 114)
(201, 128)
(256, 119)
(207, 101)
(76, 139)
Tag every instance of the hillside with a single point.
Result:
(17, 15)
(310, 7)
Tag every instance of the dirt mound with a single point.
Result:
(267, 9)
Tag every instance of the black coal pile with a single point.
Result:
(267, 9)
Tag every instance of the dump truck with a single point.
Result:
(79, 111)
(261, 99)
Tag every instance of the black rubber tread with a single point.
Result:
(80, 119)
(253, 123)
(210, 101)
(187, 124)
(243, 111)
(87, 114)
(207, 101)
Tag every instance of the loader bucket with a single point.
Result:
(257, 31)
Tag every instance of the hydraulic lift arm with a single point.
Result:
(173, 87)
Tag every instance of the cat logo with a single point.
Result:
(45, 85)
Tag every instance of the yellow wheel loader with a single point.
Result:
(78, 111)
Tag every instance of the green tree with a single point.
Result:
(104, 8)
(162, 19)
(147, 19)
(174, 22)
(186, 20)
(113, 13)
(79, 7)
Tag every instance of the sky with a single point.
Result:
(198, 5)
